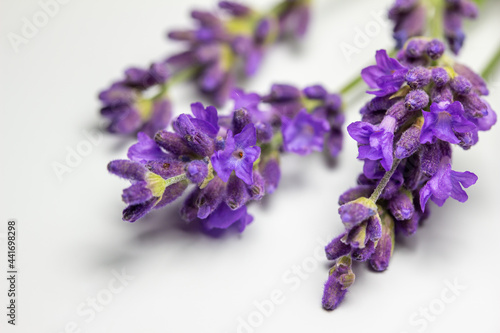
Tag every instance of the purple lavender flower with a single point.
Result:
(128, 110)
(387, 76)
(238, 155)
(443, 121)
(304, 133)
(446, 183)
(375, 142)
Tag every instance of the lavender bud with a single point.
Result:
(364, 253)
(315, 92)
(409, 142)
(172, 143)
(410, 226)
(189, 209)
(399, 112)
(374, 228)
(418, 77)
(461, 85)
(282, 93)
(241, 118)
(210, 197)
(258, 188)
(440, 76)
(333, 294)
(379, 261)
(198, 141)
(237, 194)
(416, 100)
(134, 212)
(416, 48)
(355, 212)
(431, 156)
(196, 171)
(262, 30)
(435, 49)
(356, 237)
(441, 94)
(127, 169)
(401, 206)
(271, 173)
(235, 8)
(136, 193)
(264, 131)
(336, 248)
(478, 83)
(473, 105)
(355, 193)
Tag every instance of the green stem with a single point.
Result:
(492, 65)
(175, 179)
(180, 76)
(351, 84)
(383, 182)
(435, 8)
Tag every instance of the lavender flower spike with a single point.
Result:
(405, 141)
(228, 161)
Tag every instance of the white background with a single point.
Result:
(71, 237)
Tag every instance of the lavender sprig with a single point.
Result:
(444, 17)
(425, 103)
(230, 160)
(224, 45)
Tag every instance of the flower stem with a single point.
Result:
(350, 85)
(435, 8)
(383, 182)
(492, 65)
(178, 77)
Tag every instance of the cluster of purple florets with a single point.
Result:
(410, 20)
(222, 46)
(128, 107)
(232, 159)
(424, 103)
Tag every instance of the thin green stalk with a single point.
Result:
(492, 65)
(180, 76)
(435, 8)
(350, 85)
(383, 182)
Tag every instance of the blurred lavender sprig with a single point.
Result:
(443, 17)
(224, 45)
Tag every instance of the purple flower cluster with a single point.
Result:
(127, 106)
(410, 20)
(230, 159)
(424, 104)
(218, 46)
(215, 50)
